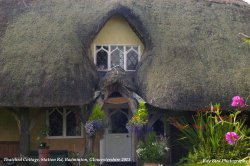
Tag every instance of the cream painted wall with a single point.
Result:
(8, 127)
(117, 31)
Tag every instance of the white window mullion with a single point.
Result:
(95, 51)
(139, 53)
(109, 57)
(125, 58)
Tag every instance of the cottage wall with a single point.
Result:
(117, 31)
(8, 127)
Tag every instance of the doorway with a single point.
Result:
(118, 141)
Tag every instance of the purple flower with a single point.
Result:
(98, 124)
(238, 101)
(231, 137)
(89, 128)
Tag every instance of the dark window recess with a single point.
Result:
(132, 60)
(56, 123)
(115, 94)
(118, 123)
(102, 60)
(73, 127)
(158, 127)
(106, 48)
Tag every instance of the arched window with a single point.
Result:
(102, 57)
(118, 121)
(117, 56)
(158, 127)
(132, 57)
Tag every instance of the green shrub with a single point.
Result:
(206, 138)
(97, 113)
(152, 150)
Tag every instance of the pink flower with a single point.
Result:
(231, 137)
(238, 101)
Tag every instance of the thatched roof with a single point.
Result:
(192, 53)
(197, 56)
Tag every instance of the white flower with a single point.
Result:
(138, 151)
(166, 148)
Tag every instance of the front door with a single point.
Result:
(118, 140)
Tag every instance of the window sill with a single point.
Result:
(110, 70)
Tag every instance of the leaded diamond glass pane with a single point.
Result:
(128, 48)
(102, 60)
(117, 58)
(132, 60)
(120, 47)
(73, 125)
(98, 47)
(106, 47)
(135, 48)
(113, 48)
(56, 123)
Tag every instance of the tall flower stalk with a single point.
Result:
(217, 134)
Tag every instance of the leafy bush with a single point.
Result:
(152, 150)
(97, 113)
(215, 135)
(140, 118)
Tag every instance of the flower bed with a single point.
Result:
(216, 134)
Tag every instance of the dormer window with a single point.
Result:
(116, 44)
(109, 56)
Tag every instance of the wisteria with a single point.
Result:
(89, 128)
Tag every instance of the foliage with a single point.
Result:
(42, 134)
(216, 164)
(91, 162)
(152, 150)
(95, 122)
(246, 40)
(208, 138)
(139, 119)
(97, 113)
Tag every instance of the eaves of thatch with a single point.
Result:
(197, 55)
(193, 54)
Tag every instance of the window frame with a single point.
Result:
(109, 54)
(64, 128)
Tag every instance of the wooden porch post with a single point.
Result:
(24, 134)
